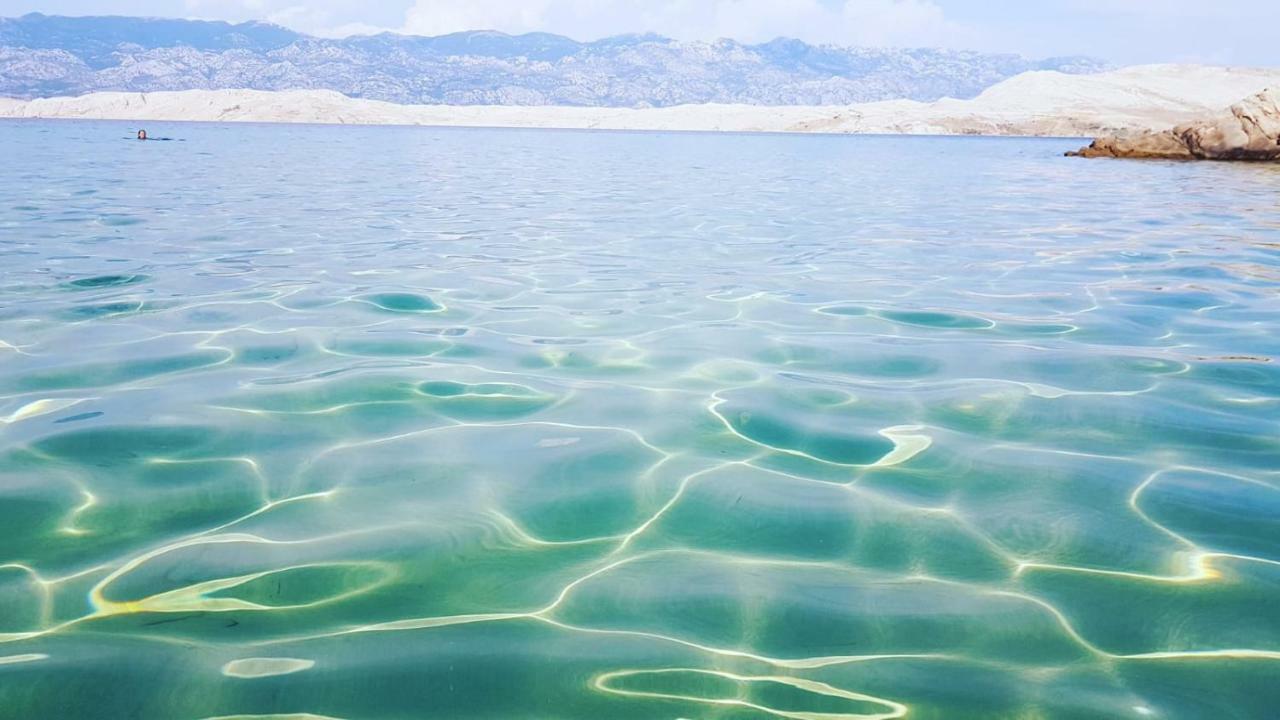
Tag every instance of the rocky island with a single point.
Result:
(1249, 130)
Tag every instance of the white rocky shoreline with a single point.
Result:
(1146, 98)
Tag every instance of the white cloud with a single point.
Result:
(329, 18)
(851, 22)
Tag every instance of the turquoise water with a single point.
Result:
(389, 423)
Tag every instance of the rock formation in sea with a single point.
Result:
(1248, 130)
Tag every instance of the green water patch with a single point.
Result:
(769, 515)
(704, 435)
(989, 413)
(937, 320)
(103, 374)
(1211, 687)
(593, 488)
(893, 366)
(381, 395)
(182, 576)
(267, 354)
(486, 401)
(719, 689)
(1217, 512)
(369, 345)
(942, 688)
(1044, 507)
(801, 420)
(35, 499)
(1184, 300)
(308, 585)
(319, 395)
(1094, 372)
(352, 407)
(557, 484)
(869, 363)
(105, 310)
(403, 303)
(111, 447)
(161, 478)
(22, 598)
(1256, 374)
(495, 670)
(105, 491)
(799, 611)
(99, 282)
(1227, 603)
(741, 509)
(1108, 424)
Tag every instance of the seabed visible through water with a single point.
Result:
(386, 423)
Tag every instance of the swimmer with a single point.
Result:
(142, 135)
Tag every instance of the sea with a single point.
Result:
(386, 423)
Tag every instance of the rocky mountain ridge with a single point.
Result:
(44, 56)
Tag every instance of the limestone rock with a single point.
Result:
(1249, 130)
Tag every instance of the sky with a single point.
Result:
(1240, 32)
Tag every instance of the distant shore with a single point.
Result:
(1043, 104)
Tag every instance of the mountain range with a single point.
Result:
(44, 56)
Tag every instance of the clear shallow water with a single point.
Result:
(407, 423)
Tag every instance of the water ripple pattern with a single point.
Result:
(374, 424)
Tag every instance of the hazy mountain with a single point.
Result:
(42, 56)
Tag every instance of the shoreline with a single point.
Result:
(445, 126)
(1036, 104)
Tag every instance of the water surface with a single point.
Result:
(389, 423)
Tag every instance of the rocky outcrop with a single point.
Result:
(1249, 130)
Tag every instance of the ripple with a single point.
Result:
(308, 585)
(940, 320)
(79, 417)
(809, 611)
(403, 303)
(106, 281)
(121, 220)
(494, 401)
(845, 310)
(106, 374)
(372, 346)
(777, 696)
(27, 658)
(103, 310)
(1215, 511)
(786, 423)
(251, 668)
(681, 444)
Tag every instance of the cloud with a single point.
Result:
(849, 22)
(329, 18)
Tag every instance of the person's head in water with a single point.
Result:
(142, 134)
